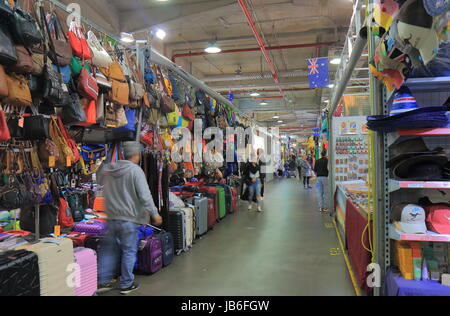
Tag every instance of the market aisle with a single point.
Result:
(284, 251)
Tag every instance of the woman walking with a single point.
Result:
(253, 181)
(307, 172)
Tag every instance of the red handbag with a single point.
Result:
(188, 114)
(147, 138)
(78, 42)
(87, 85)
(90, 108)
(65, 218)
(4, 130)
(70, 142)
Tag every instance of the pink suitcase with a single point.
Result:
(87, 278)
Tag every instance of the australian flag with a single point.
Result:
(318, 73)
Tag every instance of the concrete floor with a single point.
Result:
(287, 250)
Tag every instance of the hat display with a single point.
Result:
(410, 218)
(404, 101)
(410, 148)
(436, 7)
(438, 219)
(415, 26)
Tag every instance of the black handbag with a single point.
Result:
(97, 137)
(25, 29)
(8, 54)
(6, 12)
(15, 195)
(36, 127)
(73, 112)
(14, 129)
(47, 219)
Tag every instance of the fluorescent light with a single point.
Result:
(161, 34)
(280, 121)
(213, 48)
(331, 86)
(276, 117)
(126, 38)
(255, 94)
(335, 61)
(263, 103)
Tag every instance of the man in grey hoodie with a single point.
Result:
(129, 203)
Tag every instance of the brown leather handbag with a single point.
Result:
(119, 93)
(114, 72)
(24, 63)
(38, 64)
(3, 83)
(62, 55)
(167, 103)
(18, 91)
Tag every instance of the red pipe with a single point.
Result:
(260, 41)
(256, 49)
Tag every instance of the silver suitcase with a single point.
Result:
(201, 214)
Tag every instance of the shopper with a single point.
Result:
(253, 180)
(321, 170)
(307, 172)
(129, 204)
(262, 167)
(299, 166)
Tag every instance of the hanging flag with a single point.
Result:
(318, 73)
(230, 96)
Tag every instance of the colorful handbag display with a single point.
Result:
(78, 42)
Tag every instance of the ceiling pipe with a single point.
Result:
(271, 91)
(255, 49)
(258, 76)
(261, 44)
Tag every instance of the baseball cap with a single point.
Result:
(438, 219)
(410, 218)
(436, 7)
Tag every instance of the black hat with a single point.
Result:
(410, 148)
(421, 168)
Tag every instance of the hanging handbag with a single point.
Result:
(121, 116)
(78, 42)
(25, 29)
(90, 109)
(92, 136)
(47, 219)
(111, 118)
(154, 117)
(8, 54)
(24, 64)
(103, 83)
(46, 149)
(3, 83)
(62, 54)
(66, 73)
(87, 86)
(66, 155)
(100, 109)
(167, 103)
(15, 195)
(126, 132)
(100, 56)
(76, 65)
(4, 129)
(70, 142)
(15, 130)
(114, 72)
(173, 118)
(18, 91)
(188, 113)
(73, 112)
(36, 127)
(38, 64)
(119, 93)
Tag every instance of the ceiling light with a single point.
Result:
(126, 38)
(161, 34)
(280, 121)
(335, 61)
(276, 117)
(255, 94)
(263, 103)
(213, 48)
(331, 86)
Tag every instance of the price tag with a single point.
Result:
(51, 162)
(68, 161)
(21, 122)
(57, 230)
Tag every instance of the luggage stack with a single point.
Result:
(156, 250)
(56, 265)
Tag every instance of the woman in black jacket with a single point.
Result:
(252, 177)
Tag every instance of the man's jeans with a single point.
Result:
(322, 192)
(254, 191)
(119, 248)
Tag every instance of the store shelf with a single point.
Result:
(393, 137)
(394, 234)
(395, 185)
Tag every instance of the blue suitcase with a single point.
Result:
(167, 247)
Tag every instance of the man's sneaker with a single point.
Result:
(103, 288)
(250, 207)
(129, 290)
(259, 209)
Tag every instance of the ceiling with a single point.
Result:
(191, 24)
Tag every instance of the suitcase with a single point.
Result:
(177, 227)
(201, 214)
(93, 242)
(235, 199)
(222, 203)
(151, 257)
(56, 265)
(167, 247)
(143, 233)
(19, 274)
(228, 198)
(189, 214)
(93, 228)
(212, 192)
(86, 279)
(213, 215)
(78, 239)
